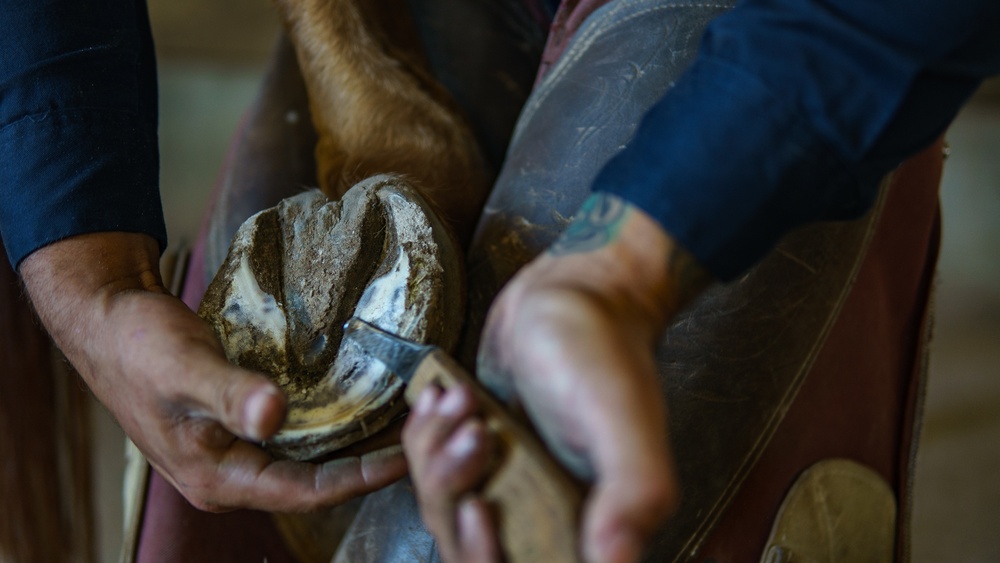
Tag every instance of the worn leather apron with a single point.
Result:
(817, 352)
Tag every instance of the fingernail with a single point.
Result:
(256, 414)
(468, 513)
(426, 400)
(464, 441)
(451, 405)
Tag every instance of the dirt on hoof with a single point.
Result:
(297, 272)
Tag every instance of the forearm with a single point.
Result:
(603, 295)
(73, 282)
(162, 373)
(575, 332)
(76, 286)
(615, 250)
(773, 127)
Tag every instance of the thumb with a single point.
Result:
(637, 486)
(245, 403)
(622, 516)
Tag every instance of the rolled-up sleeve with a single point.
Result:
(78, 122)
(793, 111)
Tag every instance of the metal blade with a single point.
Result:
(401, 356)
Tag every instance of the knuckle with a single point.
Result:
(410, 434)
(198, 490)
(200, 500)
(435, 480)
(417, 442)
(229, 397)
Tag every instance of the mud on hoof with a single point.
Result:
(297, 272)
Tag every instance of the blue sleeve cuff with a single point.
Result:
(727, 169)
(56, 188)
(78, 120)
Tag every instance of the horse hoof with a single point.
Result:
(297, 272)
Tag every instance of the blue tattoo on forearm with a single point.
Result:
(597, 223)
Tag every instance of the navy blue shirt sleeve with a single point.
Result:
(793, 111)
(78, 120)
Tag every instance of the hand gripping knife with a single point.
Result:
(535, 502)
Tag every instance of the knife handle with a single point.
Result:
(536, 503)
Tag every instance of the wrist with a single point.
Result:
(70, 280)
(86, 263)
(614, 250)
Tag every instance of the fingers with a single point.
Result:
(477, 538)
(435, 416)
(449, 450)
(196, 374)
(200, 403)
(244, 476)
(216, 471)
(588, 381)
(622, 515)
(636, 489)
(244, 402)
(161, 371)
(172, 355)
(448, 447)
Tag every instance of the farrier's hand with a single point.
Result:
(162, 373)
(576, 331)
